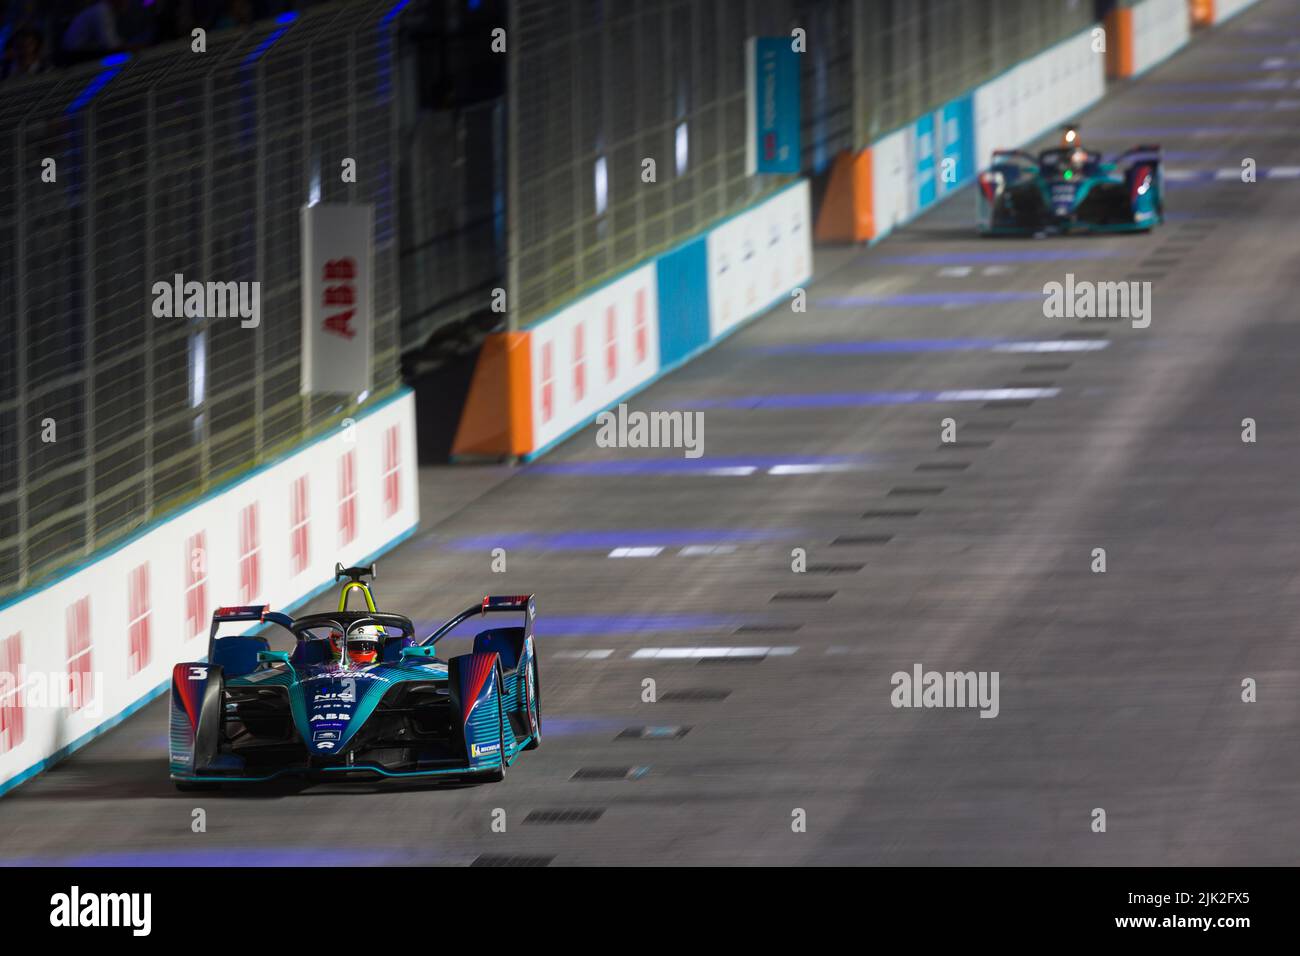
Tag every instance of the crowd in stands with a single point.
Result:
(41, 35)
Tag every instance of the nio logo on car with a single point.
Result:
(344, 696)
(1098, 300)
(75, 909)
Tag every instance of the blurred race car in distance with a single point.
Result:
(1070, 189)
(357, 697)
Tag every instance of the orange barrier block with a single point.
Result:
(1119, 43)
(845, 213)
(498, 416)
(1202, 12)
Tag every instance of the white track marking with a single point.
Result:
(996, 394)
(700, 550)
(691, 653)
(1054, 345)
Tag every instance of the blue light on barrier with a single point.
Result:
(397, 8)
(92, 90)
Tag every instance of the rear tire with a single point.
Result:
(532, 707)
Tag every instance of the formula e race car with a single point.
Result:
(357, 697)
(1070, 189)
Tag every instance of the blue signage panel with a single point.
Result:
(958, 162)
(924, 137)
(774, 94)
(683, 301)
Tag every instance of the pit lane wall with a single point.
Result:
(83, 653)
(532, 389)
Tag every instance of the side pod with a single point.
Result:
(195, 725)
(476, 685)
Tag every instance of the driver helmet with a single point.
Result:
(363, 645)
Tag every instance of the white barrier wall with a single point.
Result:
(608, 344)
(893, 189)
(1036, 95)
(89, 649)
(1223, 9)
(599, 348)
(758, 256)
(1160, 29)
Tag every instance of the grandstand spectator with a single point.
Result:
(24, 54)
(93, 32)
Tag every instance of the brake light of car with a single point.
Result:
(247, 611)
(989, 185)
(1141, 182)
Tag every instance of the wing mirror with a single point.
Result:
(419, 652)
(272, 657)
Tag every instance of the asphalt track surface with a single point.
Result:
(1118, 690)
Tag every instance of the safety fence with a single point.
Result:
(183, 162)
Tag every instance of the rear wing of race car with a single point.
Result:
(232, 614)
(1148, 153)
(492, 603)
(1013, 155)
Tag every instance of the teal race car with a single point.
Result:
(1070, 189)
(358, 697)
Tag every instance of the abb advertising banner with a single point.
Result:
(595, 351)
(337, 326)
(83, 653)
(607, 345)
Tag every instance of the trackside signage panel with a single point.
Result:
(337, 326)
(772, 103)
